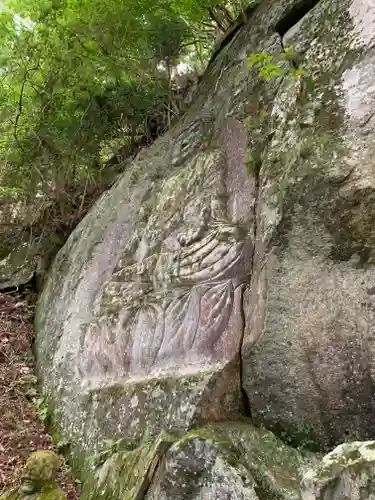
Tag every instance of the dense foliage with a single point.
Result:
(79, 77)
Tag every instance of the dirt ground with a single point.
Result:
(20, 430)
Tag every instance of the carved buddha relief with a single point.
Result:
(175, 295)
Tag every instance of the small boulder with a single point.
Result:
(198, 467)
(347, 473)
(230, 460)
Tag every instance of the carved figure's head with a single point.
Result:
(40, 470)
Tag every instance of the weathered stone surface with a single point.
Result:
(347, 473)
(20, 265)
(276, 467)
(199, 468)
(228, 461)
(144, 304)
(308, 352)
(125, 473)
(141, 321)
(188, 258)
(26, 245)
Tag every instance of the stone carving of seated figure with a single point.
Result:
(38, 479)
(175, 297)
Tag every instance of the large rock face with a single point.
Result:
(308, 351)
(141, 322)
(234, 256)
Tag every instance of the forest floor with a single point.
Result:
(21, 431)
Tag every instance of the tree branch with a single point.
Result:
(19, 113)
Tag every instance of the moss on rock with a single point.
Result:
(230, 458)
(276, 468)
(126, 474)
(347, 472)
(38, 479)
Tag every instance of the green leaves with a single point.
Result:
(265, 65)
(270, 67)
(80, 74)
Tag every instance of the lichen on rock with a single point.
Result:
(347, 473)
(229, 460)
(126, 474)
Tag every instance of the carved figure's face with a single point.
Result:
(29, 486)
